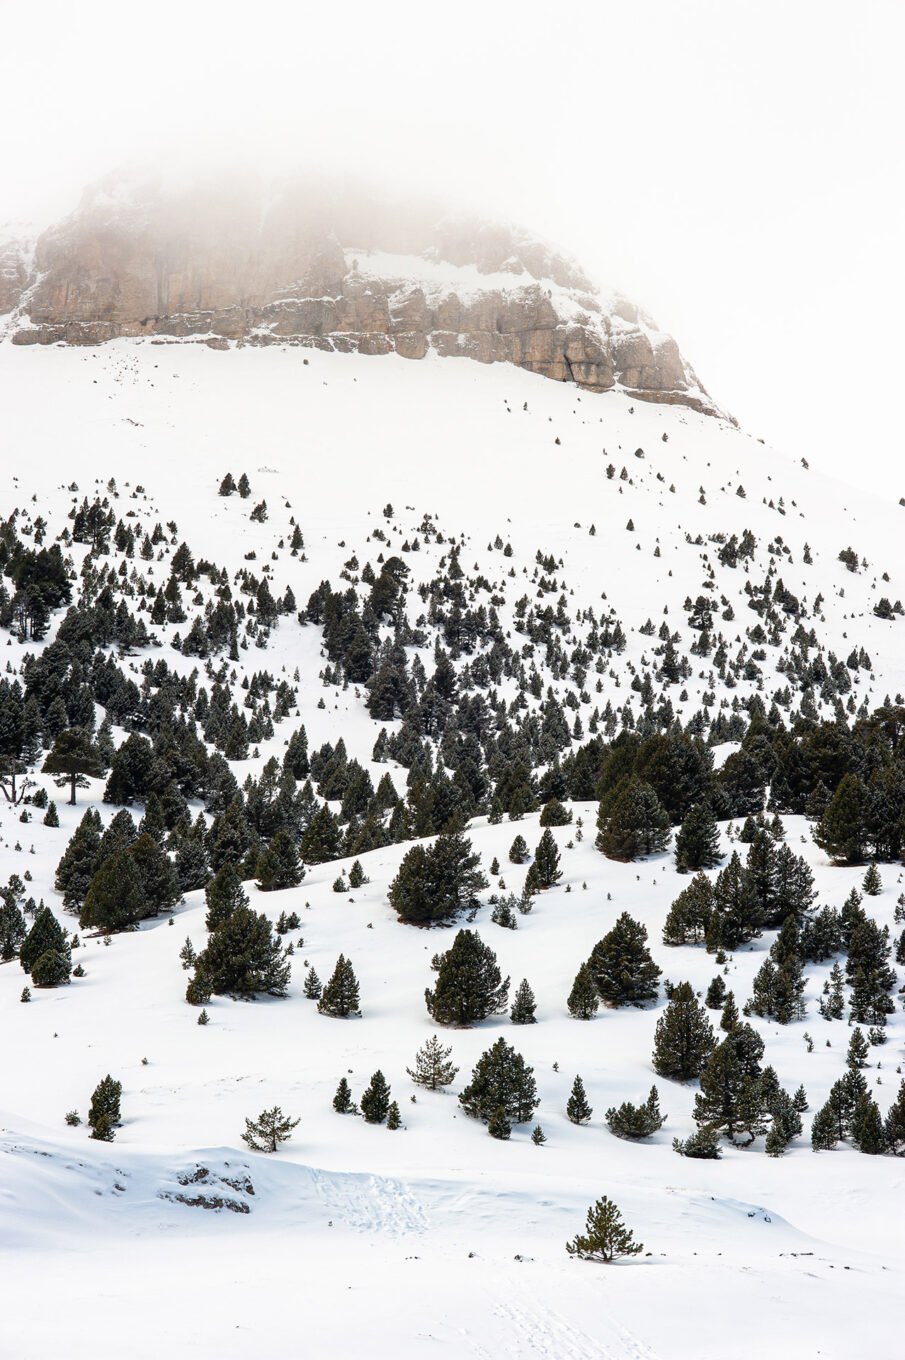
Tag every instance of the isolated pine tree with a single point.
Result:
(583, 1001)
(545, 868)
(578, 1110)
(269, 1130)
(605, 1236)
(72, 759)
(312, 987)
(683, 1039)
(523, 1005)
(518, 850)
(501, 1078)
(858, 1050)
(342, 1101)
(716, 994)
(104, 1110)
(375, 1102)
(243, 958)
(635, 1122)
(623, 971)
(46, 934)
(340, 995)
(872, 884)
(394, 1118)
(433, 1068)
(698, 840)
(538, 1137)
(469, 985)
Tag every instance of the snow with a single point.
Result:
(436, 1238)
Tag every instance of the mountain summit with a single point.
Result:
(327, 265)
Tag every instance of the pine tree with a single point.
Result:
(683, 1039)
(469, 985)
(243, 958)
(104, 1110)
(340, 995)
(545, 868)
(13, 929)
(736, 916)
(80, 860)
(703, 1145)
(872, 884)
(698, 840)
(312, 987)
(868, 1134)
(635, 1122)
(824, 1129)
(605, 1236)
(269, 1130)
(583, 1000)
(894, 1129)
(46, 935)
(433, 1068)
(623, 971)
(436, 883)
(554, 814)
(501, 1078)
(716, 994)
(858, 1050)
(72, 759)
(689, 916)
(842, 829)
(633, 822)
(223, 894)
(394, 1118)
(518, 850)
(357, 875)
(730, 1098)
(523, 1005)
(279, 865)
(342, 1101)
(578, 1109)
(538, 1137)
(116, 898)
(375, 1102)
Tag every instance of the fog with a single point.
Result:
(733, 167)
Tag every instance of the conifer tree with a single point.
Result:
(623, 971)
(104, 1110)
(698, 840)
(223, 894)
(683, 1039)
(394, 1118)
(342, 1101)
(544, 869)
(635, 1122)
(433, 1068)
(605, 1236)
(730, 1098)
(72, 759)
(583, 1001)
(842, 829)
(79, 861)
(469, 985)
(703, 1145)
(13, 929)
(858, 1050)
(312, 987)
(523, 1005)
(538, 1137)
(872, 884)
(340, 995)
(578, 1109)
(633, 822)
(894, 1128)
(868, 1134)
(689, 916)
(716, 994)
(375, 1102)
(501, 1078)
(518, 850)
(243, 958)
(46, 935)
(279, 865)
(269, 1130)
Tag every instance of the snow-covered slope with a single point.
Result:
(440, 1238)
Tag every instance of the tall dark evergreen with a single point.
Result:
(698, 840)
(435, 884)
(469, 986)
(623, 971)
(583, 1001)
(633, 822)
(683, 1039)
(243, 958)
(72, 759)
(375, 1102)
(578, 1108)
(339, 997)
(501, 1079)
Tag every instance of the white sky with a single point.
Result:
(735, 167)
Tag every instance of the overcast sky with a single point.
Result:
(735, 167)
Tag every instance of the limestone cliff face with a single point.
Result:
(326, 266)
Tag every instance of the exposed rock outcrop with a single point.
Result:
(321, 265)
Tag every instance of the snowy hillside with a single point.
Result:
(575, 567)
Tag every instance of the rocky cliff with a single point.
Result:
(324, 265)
